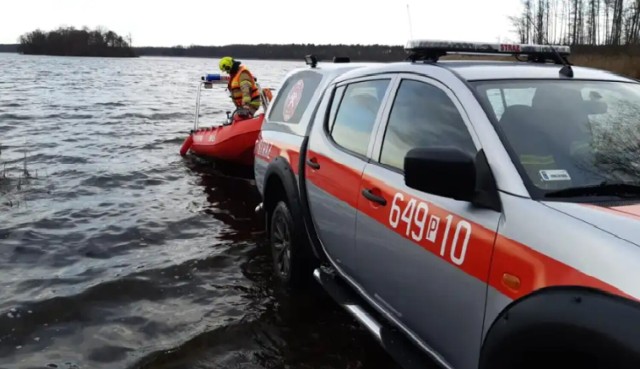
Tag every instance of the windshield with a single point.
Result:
(567, 134)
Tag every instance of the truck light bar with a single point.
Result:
(433, 49)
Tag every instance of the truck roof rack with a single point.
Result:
(341, 59)
(432, 50)
(311, 60)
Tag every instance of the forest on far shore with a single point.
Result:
(68, 41)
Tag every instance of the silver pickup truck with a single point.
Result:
(481, 214)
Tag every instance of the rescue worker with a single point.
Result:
(242, 85)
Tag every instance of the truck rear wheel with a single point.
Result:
(287, 243)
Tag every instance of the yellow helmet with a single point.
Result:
(226, 63)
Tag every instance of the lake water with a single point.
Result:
(115, 252)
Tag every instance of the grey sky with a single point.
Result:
(185, 22)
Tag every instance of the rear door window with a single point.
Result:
(356, 114)
(294, 96)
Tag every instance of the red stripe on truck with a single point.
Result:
(486, 256)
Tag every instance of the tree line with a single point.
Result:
(283, 51)
(72, 42)
(323, 52)
(68, 41)
(579, 22)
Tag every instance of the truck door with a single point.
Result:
(338, 149)
(424, 258)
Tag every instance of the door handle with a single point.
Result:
(313, 163)
(372, 197)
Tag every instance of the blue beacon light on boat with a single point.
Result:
(215, 77)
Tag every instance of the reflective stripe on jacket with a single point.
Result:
(243, 88)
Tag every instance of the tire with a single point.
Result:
(554, 354)
(556, 360)
(289, 249)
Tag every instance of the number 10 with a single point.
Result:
(457, 259)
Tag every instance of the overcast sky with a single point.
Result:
(216, 22)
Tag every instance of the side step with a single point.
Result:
(403, 351)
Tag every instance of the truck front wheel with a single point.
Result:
(567, 348)
(286, 240)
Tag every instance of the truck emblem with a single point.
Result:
(293, 98)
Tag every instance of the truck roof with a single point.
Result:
(482, 70)
(473, 70)
(541, 62)
(332, 69)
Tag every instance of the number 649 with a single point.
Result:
(416, 214)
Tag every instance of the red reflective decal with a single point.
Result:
(293, 98)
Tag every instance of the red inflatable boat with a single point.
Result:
(232, 141)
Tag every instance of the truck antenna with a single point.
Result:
(410, 26)
(566, 69)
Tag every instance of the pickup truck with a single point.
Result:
(481, 214)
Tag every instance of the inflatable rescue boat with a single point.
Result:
(233, 141)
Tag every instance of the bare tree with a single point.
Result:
(540, 16)
(616, 26)
(527, 12)
(579, 22)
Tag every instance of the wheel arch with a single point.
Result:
(571, 318)
(280, 184)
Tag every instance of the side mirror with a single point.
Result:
(442, 171)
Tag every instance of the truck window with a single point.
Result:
(422, 115)
(356, 114)
(294, 96)
(337, 96)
